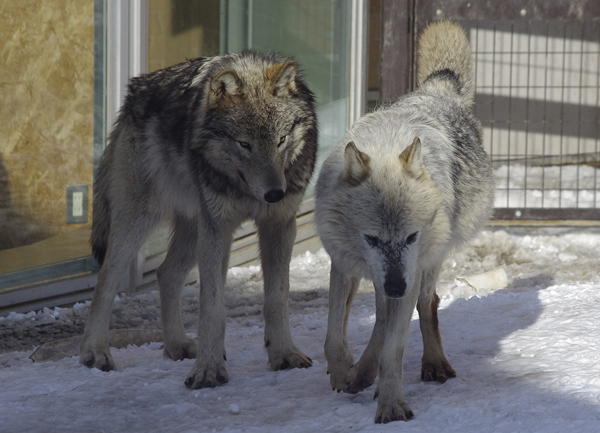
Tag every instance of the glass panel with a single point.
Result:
(180, 30)
(177, 30)
(314, 32)
(47, 142)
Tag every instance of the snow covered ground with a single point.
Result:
(527, 357)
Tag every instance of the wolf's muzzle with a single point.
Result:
(395, 284)
(274, 195)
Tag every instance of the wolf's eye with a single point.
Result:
(411, 238)
(282, 140)
(244, 145)
(373, 241)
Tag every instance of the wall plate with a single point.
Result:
(77, 204)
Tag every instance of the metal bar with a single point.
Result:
(509, 9)
(118, 57)
(358, 57)
(492, 120)
(396, 49)
(10, 281)
(544, 214)
(562, 114)
(544, 118)
(587, 112)
(138, 37)
(579, 111)
(510, 80)
(597, 122)
(100, 80)
(49, 294)
(527, 110)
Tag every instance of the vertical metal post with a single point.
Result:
(118, 56)
(127, 57)
(138, 37)
(358, 59)
(127, 49)
(396, 48)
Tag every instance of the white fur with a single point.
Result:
(414, 184)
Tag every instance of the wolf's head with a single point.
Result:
(258, 118)
(392, 206)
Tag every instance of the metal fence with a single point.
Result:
(537, 69)
(537, 97)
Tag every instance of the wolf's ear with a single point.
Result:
(357, 165)
(225, 89)
(282, 78)
(411, 158)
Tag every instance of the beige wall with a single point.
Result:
(46, 113)
(180, 30)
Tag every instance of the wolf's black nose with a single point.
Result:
(274, 195)
(394, 286)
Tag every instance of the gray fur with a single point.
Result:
(407, 184)
(207, 144)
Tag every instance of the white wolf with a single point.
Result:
(408, 183)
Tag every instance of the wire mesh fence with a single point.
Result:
(537, 70)
(538, 93)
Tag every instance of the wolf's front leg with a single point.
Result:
(391, 405)
(367, 366)
(209, 370)
(276, 241)
(340, 363)
(434, 365)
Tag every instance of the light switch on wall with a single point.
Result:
(77, 204)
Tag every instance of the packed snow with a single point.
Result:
(527, 357)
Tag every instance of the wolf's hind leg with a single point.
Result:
(125, 240)
(340, 363)
(276, 241)
(434, 365)
(367, 366)
(214, 245)
(171, 275)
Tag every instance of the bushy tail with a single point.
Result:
(445, 60)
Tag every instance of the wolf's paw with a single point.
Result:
(342, 376)
(395, 410)
(340, 367)
(362, 381)
(185, 349)
(439, 371)
(292, 359)
(207, 375)
(100, 359)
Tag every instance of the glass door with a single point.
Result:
(59, 105)
(52, 69)
(317, 33)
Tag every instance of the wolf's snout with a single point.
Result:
(274, 195)
(395, 284)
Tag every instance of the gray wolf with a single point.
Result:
(208, 144)
(408, 183)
